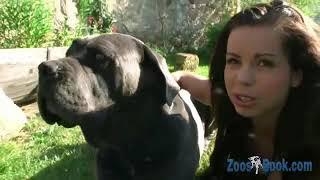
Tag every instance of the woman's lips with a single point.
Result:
(243, 101)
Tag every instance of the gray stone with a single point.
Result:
(12, 119)
(173, 24)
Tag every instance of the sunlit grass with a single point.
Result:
(52, 152)
(46, 152)
(203, 68)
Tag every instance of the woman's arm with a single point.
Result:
(198, 86)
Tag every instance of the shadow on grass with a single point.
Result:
(79, 164)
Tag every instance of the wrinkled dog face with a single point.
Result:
(95, 74)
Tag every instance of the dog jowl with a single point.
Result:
(128, 106)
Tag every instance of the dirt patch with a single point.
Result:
(30, 110)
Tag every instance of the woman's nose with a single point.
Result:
(246, 75)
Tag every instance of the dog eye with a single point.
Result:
(103, 61)
(100, 57)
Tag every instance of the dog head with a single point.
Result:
(99, 73)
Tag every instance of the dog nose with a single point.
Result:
(49, 69)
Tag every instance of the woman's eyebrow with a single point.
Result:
(257, 55)
(233, 54)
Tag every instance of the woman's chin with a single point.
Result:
(247, 113)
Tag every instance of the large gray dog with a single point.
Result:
(128, 106)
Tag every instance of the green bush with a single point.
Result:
(94, 16)
(84, 9)
(24, 23)
(212, 33)
(308, 7)
(65, 36)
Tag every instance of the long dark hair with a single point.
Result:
(296, 136)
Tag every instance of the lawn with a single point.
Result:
(43, 151)
(46, 152)
(202, 68)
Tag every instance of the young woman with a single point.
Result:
(264, 87)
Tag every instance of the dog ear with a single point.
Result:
(77, 46)
(171, 86)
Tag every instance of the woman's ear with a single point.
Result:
(296, 79)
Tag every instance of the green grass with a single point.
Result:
(203, 64)
(202, 70)
(43, 151)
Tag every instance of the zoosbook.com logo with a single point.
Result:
(255, 164)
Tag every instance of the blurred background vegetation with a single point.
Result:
(29, 23)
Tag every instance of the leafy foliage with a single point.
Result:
(247, 3)
(24, 23)
(94, 16)
(212, 33)
(65, 36)
(309, 7)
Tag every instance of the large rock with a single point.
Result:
(170, 23)
(12, 119)
(186, 62)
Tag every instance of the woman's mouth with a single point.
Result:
(244, 101)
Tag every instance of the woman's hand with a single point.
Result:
(198, 86)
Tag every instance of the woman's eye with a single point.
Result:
(265, 63)
(231, 61)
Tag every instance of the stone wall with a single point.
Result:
(172, 23)
(168, 23)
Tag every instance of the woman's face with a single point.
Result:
(257, 73)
